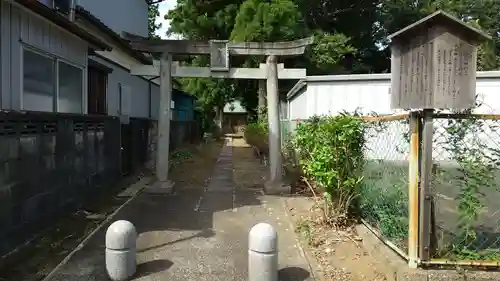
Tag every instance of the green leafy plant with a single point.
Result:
(256, 134)
(330, 152)
(179, 156)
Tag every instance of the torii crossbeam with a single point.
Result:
(219, 51)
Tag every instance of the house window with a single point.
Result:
(70, 88)
(50, 84)
(39, 82)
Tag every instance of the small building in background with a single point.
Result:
(234, 118)
(184, 105)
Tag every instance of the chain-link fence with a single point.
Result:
(384, 195)
(288, 128)
(465, 187)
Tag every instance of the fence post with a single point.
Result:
(426, 174)
(413, 176)
(120, 258)
(262, 253)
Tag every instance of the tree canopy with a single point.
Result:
(153, 26)
(350, 35)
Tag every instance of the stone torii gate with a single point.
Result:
(219, 51)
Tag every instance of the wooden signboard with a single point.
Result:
(433, 64)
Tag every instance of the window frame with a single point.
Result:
(56, 59)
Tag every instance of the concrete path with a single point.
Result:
(198, 235)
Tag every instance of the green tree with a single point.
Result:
(282, 20)
(357, 21)
(278, 20)
(205, 20)
(260, 21)
(153, 14)
(328, 52)
(350, 36)
(485, 15)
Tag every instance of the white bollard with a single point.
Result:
(262, 253)
(121, 238)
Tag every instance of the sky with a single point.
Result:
(164, 7)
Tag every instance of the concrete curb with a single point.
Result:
(135, 191)
(314, 268)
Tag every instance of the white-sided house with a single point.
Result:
(43, 72)
(331, 94)
(43, 59)
(109, 76)
(57, 58)
(53, 64)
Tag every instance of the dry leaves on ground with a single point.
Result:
(338, 252)
(247, 169)
(195, 170)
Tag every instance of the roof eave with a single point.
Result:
(296, 89)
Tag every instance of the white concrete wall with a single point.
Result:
(328, 95)
(297, 107)
(21, 28)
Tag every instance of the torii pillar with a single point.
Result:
(219, 51)
(275, 184)
(165, 111)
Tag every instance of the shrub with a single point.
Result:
(256, 134)
(330, 151)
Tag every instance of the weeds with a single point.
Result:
(179, 156)
(304, 229)
(256, 135)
